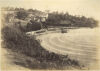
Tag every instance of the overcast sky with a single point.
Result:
(87, 8)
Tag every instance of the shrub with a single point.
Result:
(18, 41)
(21, 14)
(33, 25)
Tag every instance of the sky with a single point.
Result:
(89, 8)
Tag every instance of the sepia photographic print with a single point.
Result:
(50, 35)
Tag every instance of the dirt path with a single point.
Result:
(7, 61)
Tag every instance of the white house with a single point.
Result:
(38, 16)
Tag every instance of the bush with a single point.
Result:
(33, 26)
(18, 41)
(21, 14)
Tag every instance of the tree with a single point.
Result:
(21, 15)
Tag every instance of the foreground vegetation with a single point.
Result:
(16, 40)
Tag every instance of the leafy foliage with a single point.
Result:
(19, 42)
(21, 15)
(33, 25)
(61, 19)
(54, 18)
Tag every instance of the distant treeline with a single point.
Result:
(53, 19)
(65, 19)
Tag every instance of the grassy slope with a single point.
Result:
(19, 42)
